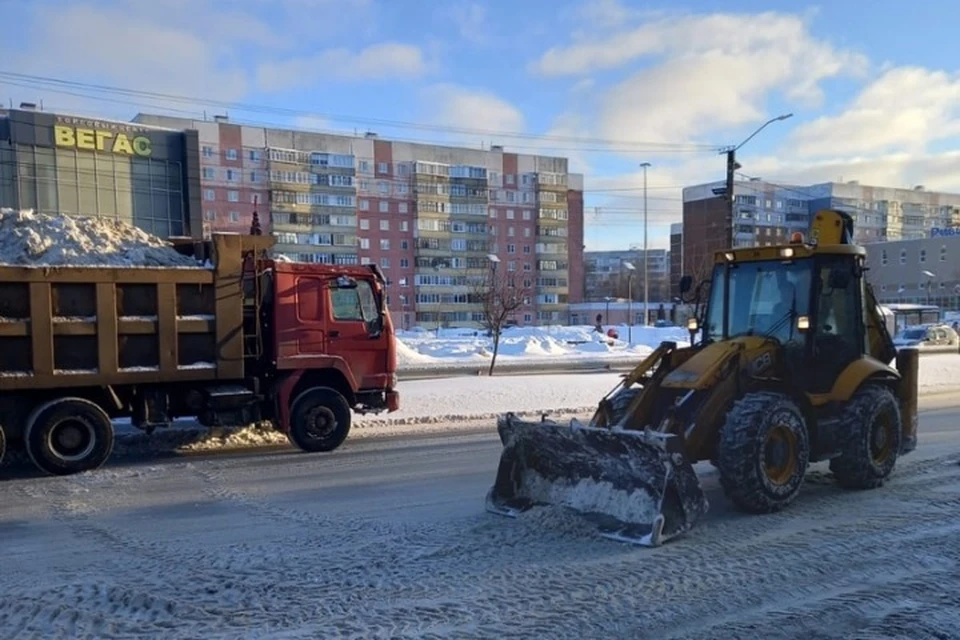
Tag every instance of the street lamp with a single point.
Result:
(732, 166)
(607, 299)
(646, 261)
(930, 276)
(494, 261)
(630, 269)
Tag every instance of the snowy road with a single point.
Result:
(387, 538)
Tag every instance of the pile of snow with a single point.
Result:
(422, 348)
(40, 240)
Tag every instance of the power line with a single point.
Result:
(57, 85)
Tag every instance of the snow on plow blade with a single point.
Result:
(636, 486)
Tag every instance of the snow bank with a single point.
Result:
(425, 349)
(35, 239)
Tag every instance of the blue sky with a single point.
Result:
(873, 89)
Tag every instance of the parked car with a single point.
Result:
(929, 337)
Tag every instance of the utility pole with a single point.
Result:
(732, 166)
(646, 280)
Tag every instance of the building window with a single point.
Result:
(209, 195)
(231, 175)
(943, 253)
(210, 215)
(233, 196)
(382, 167)
(207, 152)
(384, 263)
(384, 206)
(364, 243)
(364, 224)
(231, 154)
(384, 244)
(254, 155)
(208, 173)
(903, 256)
(883, 257)
(234, 216)
(402, 207)
(923, 256)
(404, 225)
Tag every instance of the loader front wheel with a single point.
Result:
(870, 446)
(763, 452)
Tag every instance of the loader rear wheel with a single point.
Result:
(68, 435)
(319, 420)
(870, 447)
(763, 452)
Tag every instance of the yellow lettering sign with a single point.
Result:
(99, 140)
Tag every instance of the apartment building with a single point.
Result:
(767, 213)
(919, 271)
(676, 258)
(429, 215)
(606, 275)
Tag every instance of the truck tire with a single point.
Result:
(763, 452)
(68, 435)
(869, 449)
(319, 420)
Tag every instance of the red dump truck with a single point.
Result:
(239, 339)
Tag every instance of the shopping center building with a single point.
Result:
(148, 176)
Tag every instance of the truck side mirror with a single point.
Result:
(686, 283)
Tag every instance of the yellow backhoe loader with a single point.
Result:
(792, 366)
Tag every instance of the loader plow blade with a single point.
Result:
(637, 487)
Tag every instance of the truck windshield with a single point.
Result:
(760, 298)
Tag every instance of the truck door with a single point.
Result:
(354, 330)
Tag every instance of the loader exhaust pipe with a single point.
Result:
(635, 486)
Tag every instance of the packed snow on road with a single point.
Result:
(390, 540)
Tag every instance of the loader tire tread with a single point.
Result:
(855, 467)
(740, 453)
(620, 402)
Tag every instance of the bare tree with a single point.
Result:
(499, 297)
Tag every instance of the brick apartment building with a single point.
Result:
(429, 215)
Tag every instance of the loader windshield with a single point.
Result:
(758, 298)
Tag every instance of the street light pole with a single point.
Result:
(646, 261)
(629, 266)
(732, 166)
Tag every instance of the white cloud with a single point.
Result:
(449, 105)
(200, 49)
(702, 73)
(377, 62)
(470, 19)
(904, 109)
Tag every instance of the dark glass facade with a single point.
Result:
(77, 166)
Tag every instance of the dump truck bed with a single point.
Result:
(98, 326)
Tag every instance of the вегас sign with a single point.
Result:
(102, 140)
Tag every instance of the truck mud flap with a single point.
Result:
(635, 486)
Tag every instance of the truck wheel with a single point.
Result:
(869, 449)
(763, 452)
(319, 420)
(68, 435)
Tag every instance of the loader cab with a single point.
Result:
(812, 305)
